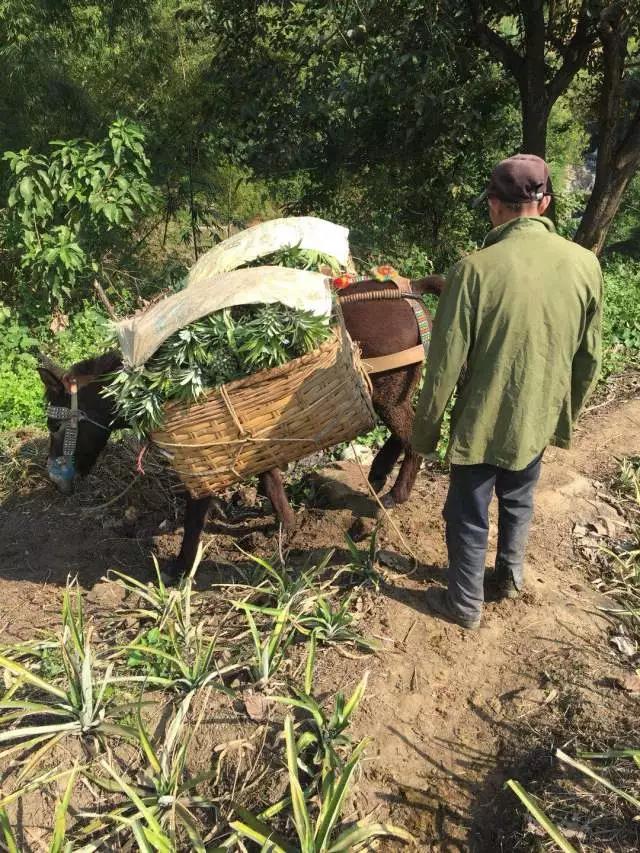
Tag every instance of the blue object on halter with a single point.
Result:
(62, 470)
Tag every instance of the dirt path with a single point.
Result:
(446, 703)
(446, 708)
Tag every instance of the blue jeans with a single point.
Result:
(466, 513)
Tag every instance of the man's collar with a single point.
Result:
(517, 224)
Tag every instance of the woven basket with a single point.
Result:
(270, 418)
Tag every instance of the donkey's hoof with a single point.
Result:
(289, 524)
(388, 501)
(362, 528)
(378, 484)
(173, 573)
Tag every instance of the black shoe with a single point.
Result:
(438, 601)
(506, 587)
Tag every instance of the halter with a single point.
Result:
(71, 417)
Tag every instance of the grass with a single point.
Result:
(317, 833)
(161, 797)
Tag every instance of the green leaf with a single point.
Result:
(251, 827)
(584, 768)
(9, 838)
(301, 817)
(361, 832)
(549, 827)
(308, 670)
(26, 189)
(332, 807)
(60, 819)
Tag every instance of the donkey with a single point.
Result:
(380, 327)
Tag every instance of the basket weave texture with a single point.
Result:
(270, 418)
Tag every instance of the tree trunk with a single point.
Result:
(536, 108)
(603, 206)
(618, 142)
(535, 117)
(536, 104)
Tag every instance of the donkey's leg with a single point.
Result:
(403, 486)
(399, 419)
(384, 461)
(272, 487)
(195, 519)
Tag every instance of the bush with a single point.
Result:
(621, 332)
(21, 400)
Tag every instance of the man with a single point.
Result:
(521, 320)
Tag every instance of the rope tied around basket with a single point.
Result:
(234, 415)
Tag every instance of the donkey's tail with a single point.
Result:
(429, 284)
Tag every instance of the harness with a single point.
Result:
(70, 418)
(401, 290)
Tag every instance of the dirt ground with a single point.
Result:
(452, 714)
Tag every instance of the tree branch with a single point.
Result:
(496, 45)
(575, 53)
(628, 152)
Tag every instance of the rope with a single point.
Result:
(376, 295)
(382, 506)
(227, 401)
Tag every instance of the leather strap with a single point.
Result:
(403, 284)
(413, 355)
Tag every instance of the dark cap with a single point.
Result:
(518, 180)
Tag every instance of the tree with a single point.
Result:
(380, 107)
(542, 45)
(618, 133)
(67, 211)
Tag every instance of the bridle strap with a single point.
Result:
(71, 417)
(71, 429)
(62, 413)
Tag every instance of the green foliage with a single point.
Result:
(323, 734)
(21, 401)
(268, 651)
(334, 624)
(66, 686)
(139, 656)
(210, 352)
(621, 330)
(21, 398)
(322, 834)
(163, 797)
(79, 703)
(59, 842)
(68, 209)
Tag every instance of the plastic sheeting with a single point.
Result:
(215, 282)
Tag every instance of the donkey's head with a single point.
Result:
(79, 424)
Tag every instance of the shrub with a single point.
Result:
(68, 210)
(621, 332)
(21, 398)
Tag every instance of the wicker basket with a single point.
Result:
(270, 418)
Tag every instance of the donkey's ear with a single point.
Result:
(52, 383)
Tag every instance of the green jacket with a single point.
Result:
(524, 313)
